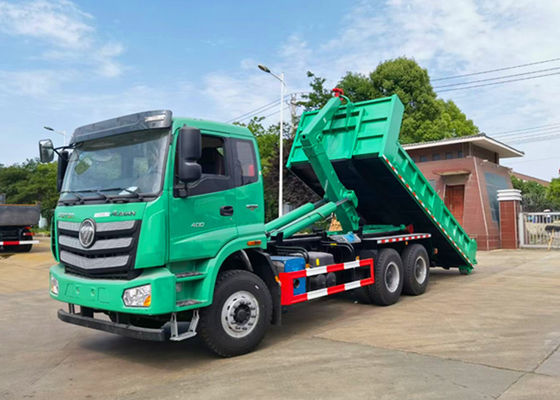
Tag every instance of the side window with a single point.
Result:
(215, 169)
(213, 160)
(245, 162)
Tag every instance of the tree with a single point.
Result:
(553, 194)
(31, 182)
(536, 197)
(295, 192)
(425, 116)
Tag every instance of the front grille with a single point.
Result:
(10, 233)
(111, 256)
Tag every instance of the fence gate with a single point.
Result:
(539, 229)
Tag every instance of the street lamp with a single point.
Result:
(281, 162)
(63, 133)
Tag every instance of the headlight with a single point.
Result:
(54, 285)
(140, 296)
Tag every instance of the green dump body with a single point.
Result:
(361, 141)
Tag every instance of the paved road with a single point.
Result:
(492, 335)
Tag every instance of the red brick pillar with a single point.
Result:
(510, 206)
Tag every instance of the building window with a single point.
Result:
(436, 157)
(423, 159)
(449, 156)
(460, 154)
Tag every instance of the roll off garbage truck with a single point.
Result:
(159, 233)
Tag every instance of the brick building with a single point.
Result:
(467, 174)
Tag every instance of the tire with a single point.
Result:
(416, 269)
(9, 249)
(388, 278)
(239, 316)
(23, 248)
(386, 289)
(362, 293)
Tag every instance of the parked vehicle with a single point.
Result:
(15, 226)
(160, 224)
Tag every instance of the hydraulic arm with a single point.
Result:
(337, 197)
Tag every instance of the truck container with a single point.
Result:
(160, 224)
(16, 221)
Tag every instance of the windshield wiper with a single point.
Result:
(79, 198)
(103, 196)
(119, 196)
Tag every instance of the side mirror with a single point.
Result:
(189, 151)
(61, 170)
(46, 150)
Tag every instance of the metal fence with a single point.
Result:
(539, 229)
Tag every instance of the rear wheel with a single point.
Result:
(238, 318)
(9, 249)
(416, 269)
(363, 293)
(388, 274)
(23, 248)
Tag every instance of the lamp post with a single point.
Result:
(281, 161)
(63, 133)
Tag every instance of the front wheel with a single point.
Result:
(239, 316)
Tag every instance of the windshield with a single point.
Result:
(128, 165)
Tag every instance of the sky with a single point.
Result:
(68, 63)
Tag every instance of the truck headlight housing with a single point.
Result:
(140, 296)
(54, 285)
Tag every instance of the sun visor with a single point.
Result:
(158, 119)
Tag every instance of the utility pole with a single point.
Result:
(293, 110)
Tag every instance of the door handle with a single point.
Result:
(226, 211)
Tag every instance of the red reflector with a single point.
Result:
(410, 228)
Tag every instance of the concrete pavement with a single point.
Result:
(493, 334)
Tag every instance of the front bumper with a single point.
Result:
(106, 294)
(136, 332)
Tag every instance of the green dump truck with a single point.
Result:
(159, 233)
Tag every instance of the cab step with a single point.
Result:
(190, 276)
(187, 302)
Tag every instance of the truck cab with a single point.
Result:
(151, 208)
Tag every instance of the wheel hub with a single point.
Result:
(392, 277)
(240, 314)
(420, 270)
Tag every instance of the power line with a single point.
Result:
(539, 139)
(275, 112)
(256, 110)
(498, 77)
(534, 138)
(529, 138)
(263, 108)
(498, 83)
(537, 159)
(527, 134)
(525, 129)
(258, 113)
(495, 70)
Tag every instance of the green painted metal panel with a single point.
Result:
(361, 141)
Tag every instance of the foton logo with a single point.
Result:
(86, 234)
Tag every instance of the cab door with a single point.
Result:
(201, 223)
